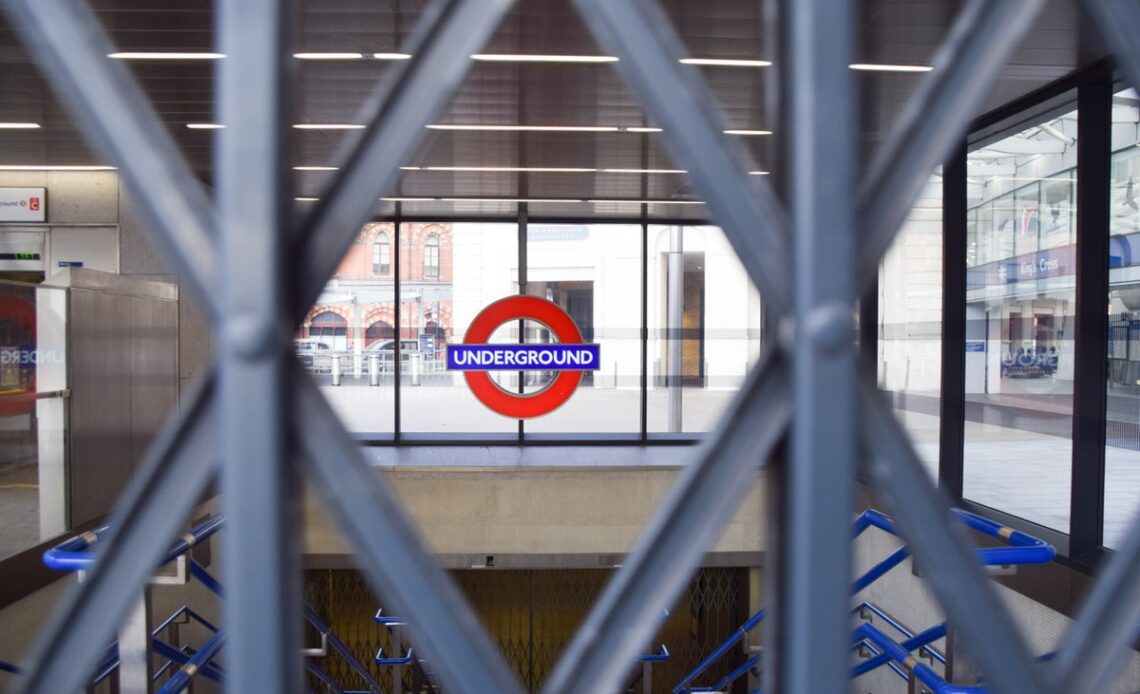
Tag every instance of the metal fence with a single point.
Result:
(259, 424)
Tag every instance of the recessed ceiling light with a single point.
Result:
(645, 171)
(642, 130)
(329, 56)
(886, 67)
(165, 55)
(391, 56)
(726, 62)
(51, 167)
(328, 126)
(747, 132)
(530, 58)
(19, 126)
(510, 169)
(205, 126)
(530, 128)
(315, 168)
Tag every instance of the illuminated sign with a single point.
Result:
(568, 358)
(23, 205)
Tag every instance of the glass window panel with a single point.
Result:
(910, 322)
(719, 331)
(1020, 315)
(448, 274)
(339, 341)
(1122, 435)
(593, 272)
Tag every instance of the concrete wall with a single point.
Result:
(536, 517)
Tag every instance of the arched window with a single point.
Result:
(431, 256)
(380, 330)
(381, 255)
(331, 329)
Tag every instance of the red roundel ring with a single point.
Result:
(517, 405)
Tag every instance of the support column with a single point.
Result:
(674, 368)
(134, 648)
(263, 598)
(815, 616)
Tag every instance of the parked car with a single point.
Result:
(314, 354)
(386, 350)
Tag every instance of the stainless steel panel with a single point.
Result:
(154, 369)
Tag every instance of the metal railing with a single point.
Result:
(80, 553)
(1020, 548)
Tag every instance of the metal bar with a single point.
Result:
(260, 552)
(936, 118)
(820, 483)
(1105, 626)
(940, 546)
(1090, 363)
(108, 105)
(135, 647)
(171, 479)
(1119, 23)
(649, 49)
(441, 46)
(643, 334)
(952, 404)
(398, 319)
(676, 296)
(522, 247)
(704, 498)
(392, 554)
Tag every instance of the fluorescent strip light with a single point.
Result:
(329, 56)
(747, 132)
(642, 130)
(409, 168)
(513, 200)
(391, 56)
(328, 126)
(645, 171)
(63, 167)
(726, 62)
(529, 58)
(510, 169)
(205, 126)
(315, 168)
(164, 55)
(408, 199)
(306, 199)
(758, 173)
(646, 202)
(19, 126)
(529, 128)
(884, 67)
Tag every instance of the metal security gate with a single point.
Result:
(259, 424)
(532, 616)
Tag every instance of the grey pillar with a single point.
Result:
(676, 293)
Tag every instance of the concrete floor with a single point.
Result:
(19, 509)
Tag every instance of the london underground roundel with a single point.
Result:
(568, 358)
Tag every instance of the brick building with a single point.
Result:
(358, 306)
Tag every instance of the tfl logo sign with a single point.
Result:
(569, 357)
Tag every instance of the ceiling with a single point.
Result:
(891, 31)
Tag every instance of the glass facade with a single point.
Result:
(1020, 321)
(910, 322)
(1122, 425)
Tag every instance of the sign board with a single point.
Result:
(975, 345)
(23, 204)
(568, 358)
(70, 263)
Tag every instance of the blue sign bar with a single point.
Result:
(556, 357)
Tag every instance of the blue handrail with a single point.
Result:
(1021, 549)
(181, 656)
(899, 654)
(182, 678)
(913, 642)
(72, 554)
(9, 667)
(874, 609)
(661, 655)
